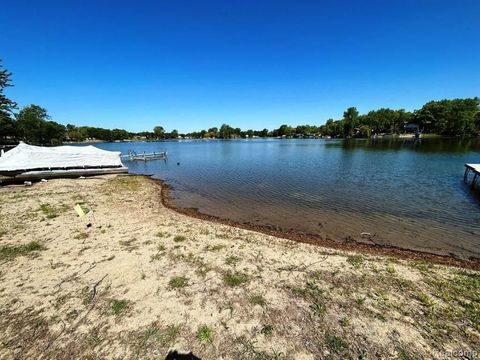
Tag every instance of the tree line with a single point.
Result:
(457, 117)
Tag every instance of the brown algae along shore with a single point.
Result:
(143, 279)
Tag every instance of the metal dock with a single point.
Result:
(133, 156)
(475, 168)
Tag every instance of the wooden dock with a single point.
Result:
(475, 168)
(133, 156)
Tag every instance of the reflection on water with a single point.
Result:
(405, 192)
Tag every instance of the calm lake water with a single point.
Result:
(403, 192)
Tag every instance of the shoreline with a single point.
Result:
(315, 239)
(133, 278)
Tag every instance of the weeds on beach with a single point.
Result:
(355, 260)
(179, 238)
(267, 330)
(232, 260)
(87, 295)
(204, 334)
(49, 211)
(154, 335)
(335, 343)
(235, 279)
(178, 282)
(257, 300)
(119, 306)
(8, 252)
(81, 235)
(217, 247)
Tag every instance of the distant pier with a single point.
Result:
(133, 156)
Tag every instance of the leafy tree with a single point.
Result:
(35, 128)
(120, 134)
(226, 131)
(283, 130)
(159, 132)
(8, 126)
(350, 117)
(6, 105)
(449, 117)
(213, 132)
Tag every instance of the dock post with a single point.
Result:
(465, 176)
(474, 181)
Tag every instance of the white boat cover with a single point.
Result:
(26, 157)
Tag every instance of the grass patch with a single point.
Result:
(155, 336)
(232, 260)
(390, 269)
(355, 260)
(162, 234)
(49, 211)
(8, 252)
(257, 300)
(128, 182)
(267, 330)
(179, 238)
(87, 296)
(214, 247)
(204, 334)
(318, 308)
(178, 282)
(2, 232)
(235, 279)
(360, 300)
(345, 321)
(81, 235)
(129, 244)
(160, 250)
(119, 306)
(424, 299)
(335, 343)
(404, 354)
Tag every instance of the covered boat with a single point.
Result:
(28, 162)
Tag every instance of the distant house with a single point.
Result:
(412, 128)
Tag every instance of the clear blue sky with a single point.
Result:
(195, 64)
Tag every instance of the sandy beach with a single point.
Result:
(136, 279)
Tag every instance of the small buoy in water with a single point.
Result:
(178, 163)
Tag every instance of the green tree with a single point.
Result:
(8, 126)
(350, 117)
(213, 132)
(449, 117)
(34, 127)
(226, 131)
(283, 130)
(159, 132)
(6, 105)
